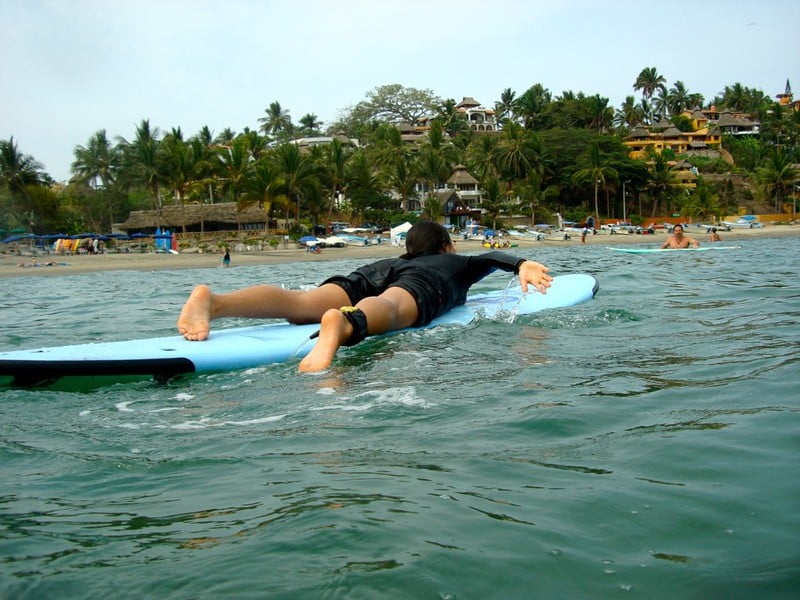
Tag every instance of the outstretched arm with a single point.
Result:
(535, 274)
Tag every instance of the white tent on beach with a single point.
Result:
(396, 231)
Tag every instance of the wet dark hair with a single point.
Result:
(426, 237)
(676, 226)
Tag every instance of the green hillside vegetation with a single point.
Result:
(552, 154)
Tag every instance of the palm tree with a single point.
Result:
(600, 113)
(504, 109)
(98, 163)
(432, 168)
(531, 189)
(479, 156)
(263, 186)
(703, 203)
(777, 177)
(402, 177)
(184, 165)
(18, 172)
(517, 154)
(364, 182)
(300, 176)
(531, 105)
(493, 199)
(597, 173)
(678, 98)
(142, 162)
(334, 170)
(662, 182)
(235, 162)
(649, 82)
(629, 114)
(310, 125)
(277, 122)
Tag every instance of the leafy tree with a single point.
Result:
(396, 104)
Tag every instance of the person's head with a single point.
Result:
(713, 230)
(427, 237)
(678, 229)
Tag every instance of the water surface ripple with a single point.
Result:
(645, 443)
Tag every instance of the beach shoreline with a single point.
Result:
(85, 263)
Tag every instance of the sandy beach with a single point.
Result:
(73, 264)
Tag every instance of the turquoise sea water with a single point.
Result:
(644, 444)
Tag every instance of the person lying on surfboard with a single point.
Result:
(678, 240)
(390, 294)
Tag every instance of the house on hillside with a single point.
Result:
(478, 117)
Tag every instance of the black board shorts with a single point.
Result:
(368, 281)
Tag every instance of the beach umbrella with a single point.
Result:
(16, 238)
(307, 238)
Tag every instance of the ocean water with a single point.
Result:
(644, 444)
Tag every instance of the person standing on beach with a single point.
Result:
(678, 240)
(387, 295)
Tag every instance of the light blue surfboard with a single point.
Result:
(652, 250)
(244, 347)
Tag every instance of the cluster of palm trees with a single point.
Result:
(551, 154)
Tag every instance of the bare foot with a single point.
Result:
(194, 322)
(334, 328)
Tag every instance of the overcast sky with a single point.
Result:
(72, 67)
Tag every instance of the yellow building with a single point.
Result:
(643, 141)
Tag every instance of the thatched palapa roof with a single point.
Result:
(192, 215)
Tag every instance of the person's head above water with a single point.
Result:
(427, 237)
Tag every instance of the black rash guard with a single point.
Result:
(438, 282)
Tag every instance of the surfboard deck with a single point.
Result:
(652, 250)
(244, 347)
